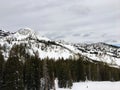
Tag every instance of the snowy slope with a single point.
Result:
(44, 47)
(34, 44)
(100, 52)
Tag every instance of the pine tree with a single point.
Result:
(32, 74)
(51, 72)
(46, 78)
(1, 70)
(13, 74)
(64, 74)
(98, 72)
(70, 81)
(80, 70)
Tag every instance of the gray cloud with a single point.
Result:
(63, 19)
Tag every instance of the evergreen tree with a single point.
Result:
(46, 78)
(1, 70)
(64, 74)
(51, 72)
(13, 74)
(80, 73)
(70, 81)
(32, 74)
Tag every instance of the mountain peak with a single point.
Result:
(25, 31)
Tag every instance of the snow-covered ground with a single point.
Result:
(94, 86)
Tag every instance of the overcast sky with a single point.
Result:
(69, 20)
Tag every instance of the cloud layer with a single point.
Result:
(70, 20)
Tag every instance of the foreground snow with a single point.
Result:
(94, 86)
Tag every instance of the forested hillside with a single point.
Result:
(33, 73)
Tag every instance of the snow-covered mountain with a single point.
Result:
(101, 52)
(34, 44)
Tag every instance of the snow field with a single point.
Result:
(104, 85)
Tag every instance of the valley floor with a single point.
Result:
(94, 86)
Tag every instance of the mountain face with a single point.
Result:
(31, 43)
(101, 52)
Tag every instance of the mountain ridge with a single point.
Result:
(45, 47)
